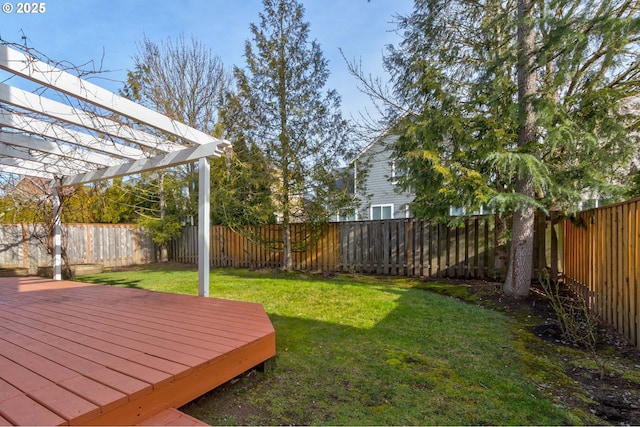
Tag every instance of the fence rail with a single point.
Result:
(406, 247)
(602, 258)
(24, 245)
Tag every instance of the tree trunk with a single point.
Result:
(287, 259)
(520, 268)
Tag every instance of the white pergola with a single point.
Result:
(90, 134)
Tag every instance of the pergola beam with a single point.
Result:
(74, 116)
(40, 72)
(15, 170)
(186, 155)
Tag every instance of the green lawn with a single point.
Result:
(365, 351)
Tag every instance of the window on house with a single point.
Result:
(396, 172)
(588, 204)
(382, 212)
(344, 216)
(457, 211)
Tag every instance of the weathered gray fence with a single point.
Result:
(404, 247)
(24, 245)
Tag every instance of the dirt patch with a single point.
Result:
(224, 400)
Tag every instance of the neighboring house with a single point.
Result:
(35, 189)
(381, 198)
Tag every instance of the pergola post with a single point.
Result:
(57, 238)
(204, 173)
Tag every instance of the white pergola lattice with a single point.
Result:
(84, 133)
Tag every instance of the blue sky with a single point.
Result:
(109, 31)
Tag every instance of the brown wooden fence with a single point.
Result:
(23, 245)
(602, 258)
(405, 247)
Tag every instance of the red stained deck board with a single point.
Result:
(182, 305)
(206, 322)
(99, 394)
(172, 417)
(130, 386)
(35, 363)
(7, 391)
(152, 334)
(45, 392)
(93, 359)
(119, 356)
(20, 335)
(21, 377)
(102, 352)
(24, 411)
(114, 335)
(68, 405)
(183, 332)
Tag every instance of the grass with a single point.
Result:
(366, 351)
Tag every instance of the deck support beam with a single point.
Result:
(204, 208)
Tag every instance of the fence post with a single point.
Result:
(25, 246)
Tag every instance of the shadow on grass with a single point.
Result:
(162, 268)
(122, 283)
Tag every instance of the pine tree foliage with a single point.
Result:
(291, 119)
(455, 72)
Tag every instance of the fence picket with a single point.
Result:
(24, 245)
(602, 255)
(400, 247)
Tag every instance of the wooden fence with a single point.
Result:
(24, 245)
(602, 258)
(405, 247)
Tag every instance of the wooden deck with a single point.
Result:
(80, 354)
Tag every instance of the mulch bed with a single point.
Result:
(614, 399)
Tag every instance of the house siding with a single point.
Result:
(380, 189)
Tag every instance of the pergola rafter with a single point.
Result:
(51, 147)
(32, 155)
(23, 170)
(28, 167)
(41, 128)
(93, 135)
(85, 119)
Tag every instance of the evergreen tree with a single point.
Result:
(298, 128)
(517, 105)
(241, 191)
